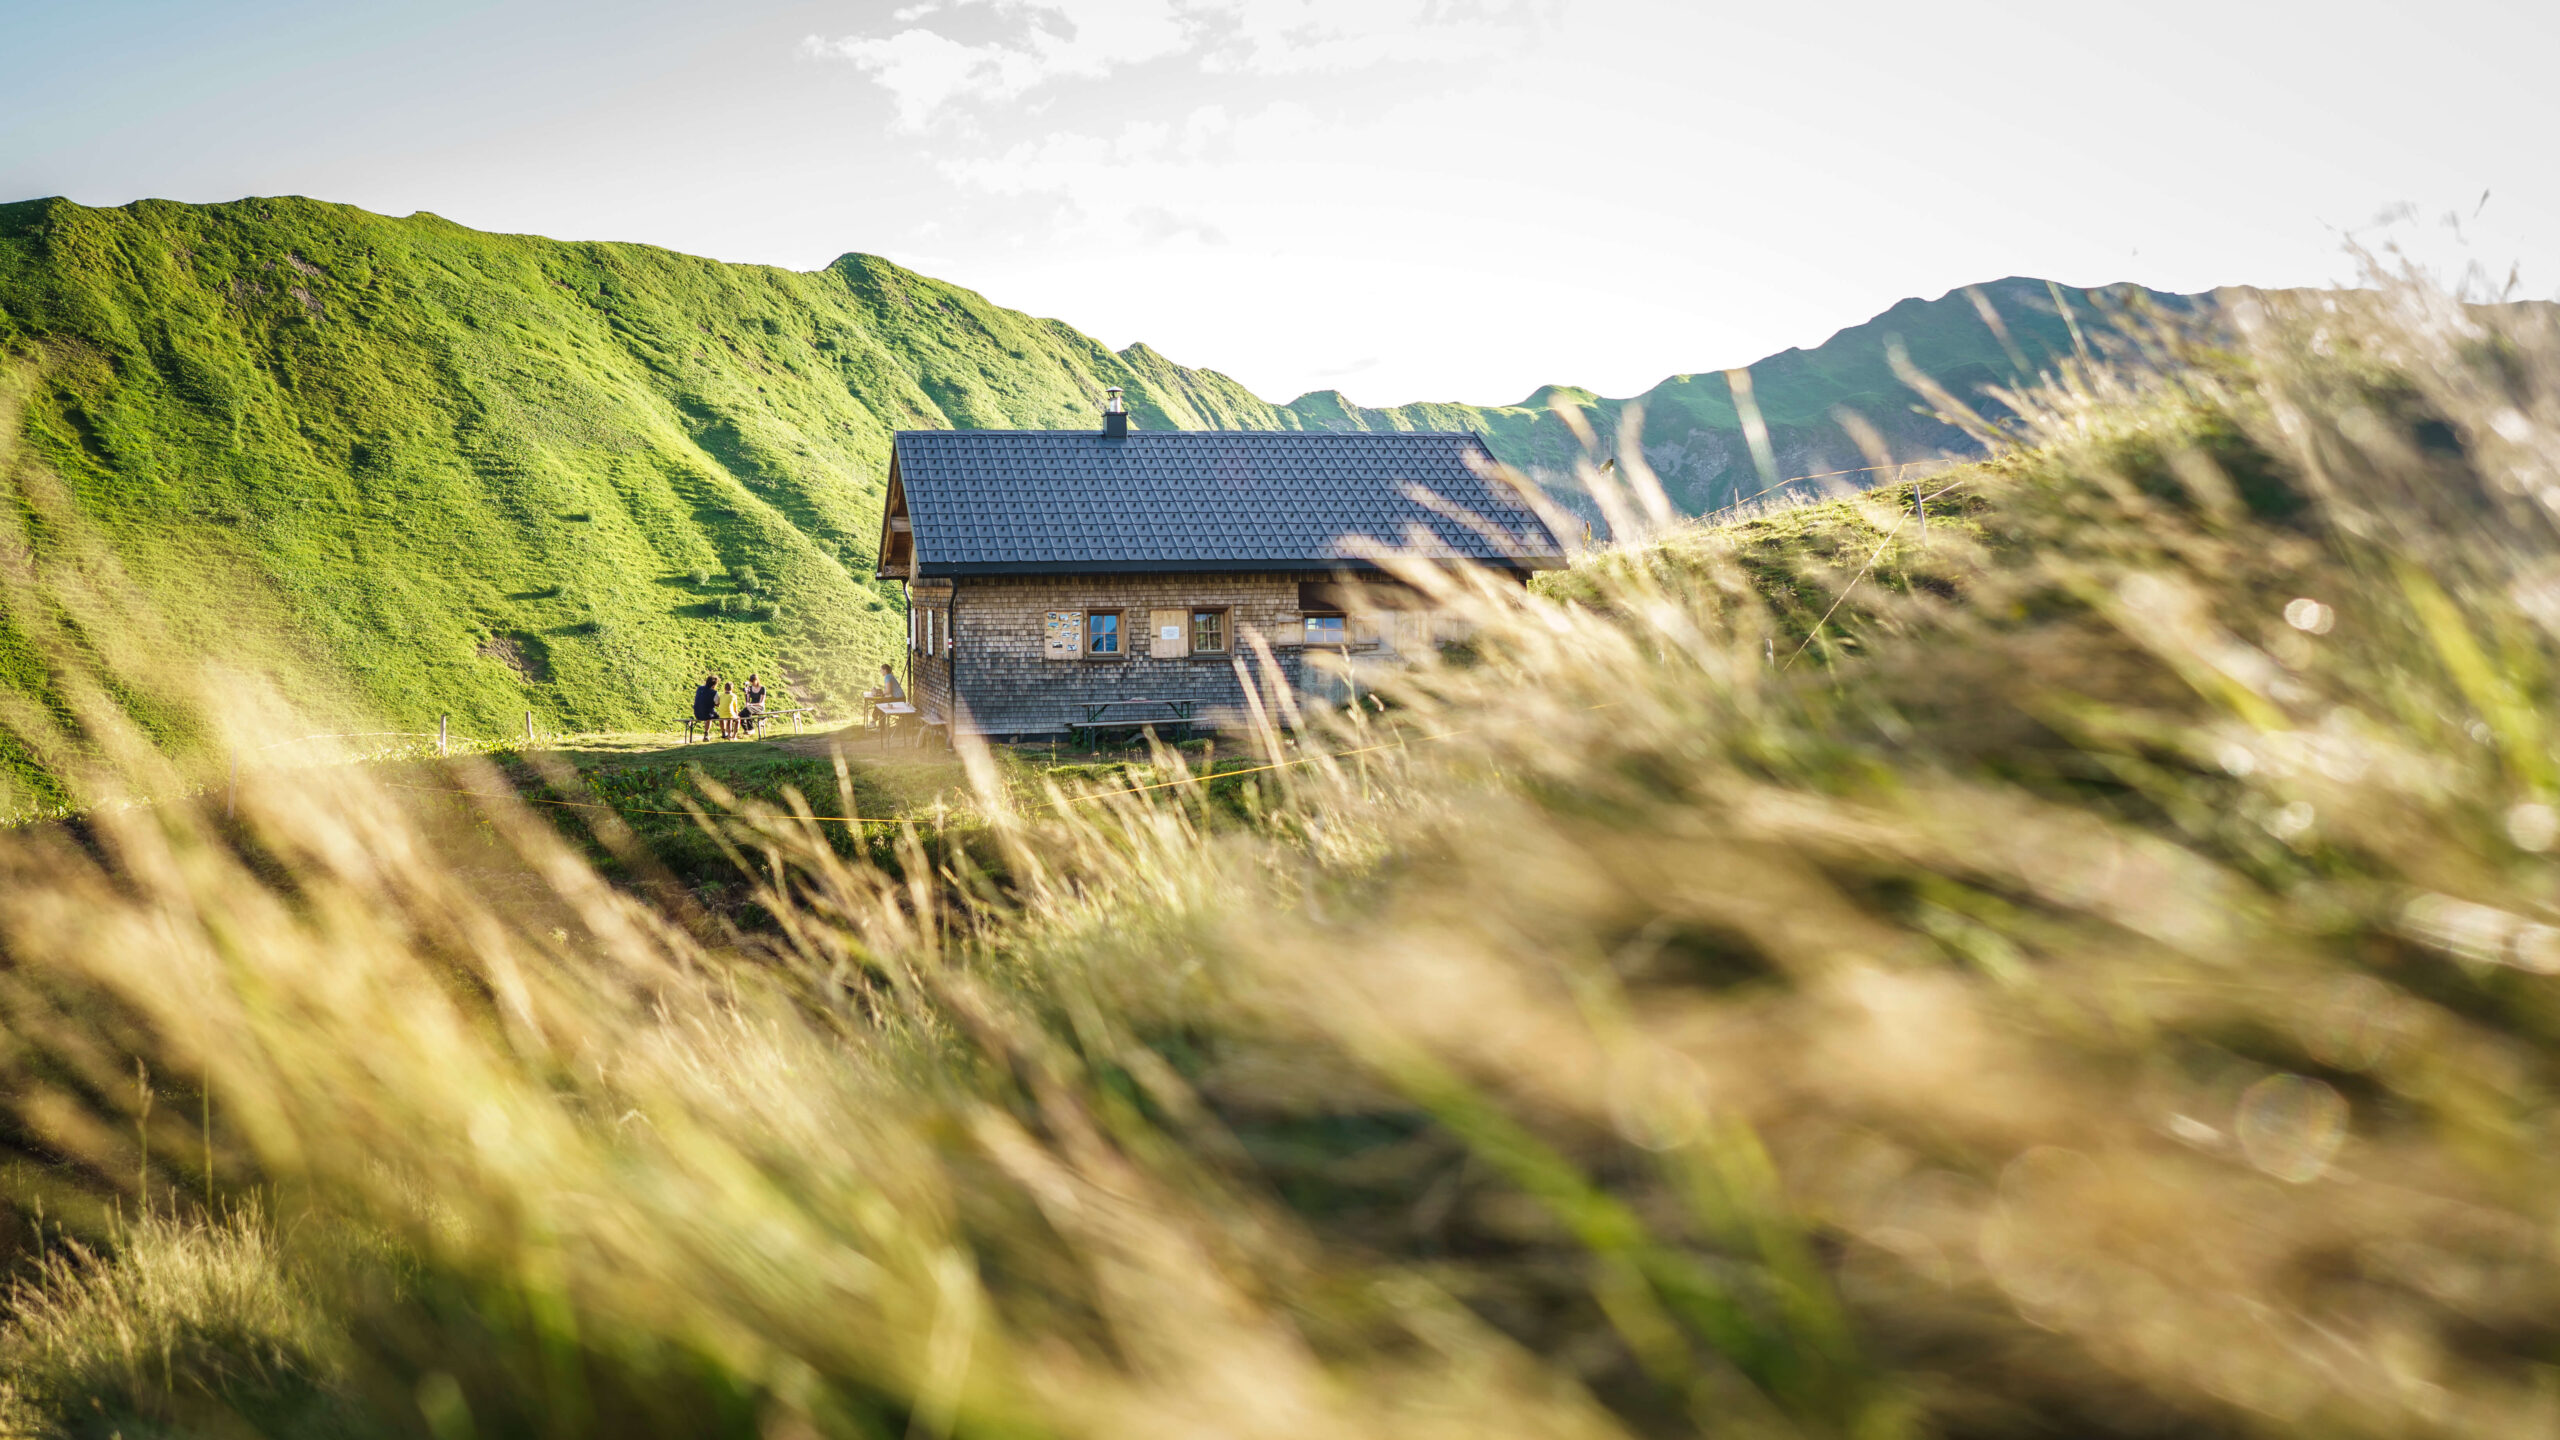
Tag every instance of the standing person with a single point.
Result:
(728, 711)
(705, 701)
(754, 711)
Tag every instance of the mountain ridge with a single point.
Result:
(403, 468)
(1586, 396)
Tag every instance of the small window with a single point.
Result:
(1327, 630)
(1102, 632)
(1062, 635)
(1208, 632)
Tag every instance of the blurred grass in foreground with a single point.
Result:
(2089, 973)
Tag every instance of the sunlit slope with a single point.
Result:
(412, 468)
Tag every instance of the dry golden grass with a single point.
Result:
(2098, 981)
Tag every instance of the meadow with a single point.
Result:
(2078, 966)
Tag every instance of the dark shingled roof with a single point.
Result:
(1076, 501)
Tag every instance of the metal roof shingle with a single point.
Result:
(1289, 499)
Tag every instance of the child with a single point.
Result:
(728, 711)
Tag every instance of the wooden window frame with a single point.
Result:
(1119, 633)
(1226, 629)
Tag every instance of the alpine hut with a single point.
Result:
(1059, 579)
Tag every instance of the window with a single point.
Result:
(1327, 630)
(1208, 632)
(1102, 633)
(1062, 635)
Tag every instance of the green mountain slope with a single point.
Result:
(1693, 434)
(410, 468)
(404, 468)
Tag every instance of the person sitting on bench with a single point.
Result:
(887, 692)
(705, 706)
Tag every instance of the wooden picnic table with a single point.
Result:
(1097, 714)
(891, 715)
(769, 718)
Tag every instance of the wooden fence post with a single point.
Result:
(528, 729)
(444, 735)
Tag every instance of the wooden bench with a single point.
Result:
(900, 718)
(769, 718)
(1095, 716)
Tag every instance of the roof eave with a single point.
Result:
(955, 568)
(892, 498)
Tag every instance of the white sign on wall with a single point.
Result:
(1062, 635)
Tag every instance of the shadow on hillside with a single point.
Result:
(721, 439)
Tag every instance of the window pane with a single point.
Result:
(1208, 630)
(1105, 630)
(1324, 630)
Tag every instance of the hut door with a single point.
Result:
(1169, 634)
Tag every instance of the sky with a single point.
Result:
(1402, 199)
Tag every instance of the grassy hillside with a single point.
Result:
(400, 468)
(404, 468)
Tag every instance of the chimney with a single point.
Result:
(1115, 416)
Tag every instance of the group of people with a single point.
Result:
(737, 712)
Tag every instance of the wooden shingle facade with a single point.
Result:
(1048, 571)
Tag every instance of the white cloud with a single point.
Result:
(928, 72)
(1296, 37)
(1471, 197)
(1146, 157)
(1159, 225)
(921, 69)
